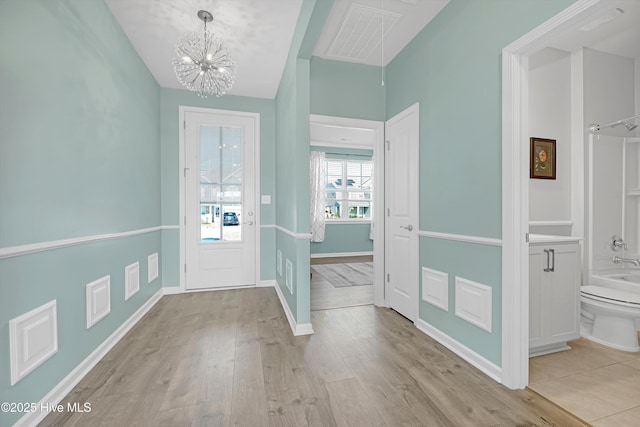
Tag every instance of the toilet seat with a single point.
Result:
(614, 296)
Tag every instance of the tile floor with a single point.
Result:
(598, 384)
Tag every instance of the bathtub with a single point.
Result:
(625, 280)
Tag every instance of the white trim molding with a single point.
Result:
(63, 388)
(460, 238)
(515, 184)
(266, 284)
(301, 329)
(550, 223)
(13, 251)
(435, 288)
(301, 236)
(33, 338)
(98, 300)
(489, 368)
(473, 303)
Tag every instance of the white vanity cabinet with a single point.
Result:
(554, 293)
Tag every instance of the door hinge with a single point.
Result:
(388, 277)
(185, 268)
(526, 237)
(184, 124)
(388, 144)
(184, 172)
(388, 211)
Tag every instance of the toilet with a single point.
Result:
(609, 316)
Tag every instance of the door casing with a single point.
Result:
(182, 110)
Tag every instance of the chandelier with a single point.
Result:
(203, 63)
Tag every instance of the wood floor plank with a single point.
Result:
(351, 406)
(228, 358)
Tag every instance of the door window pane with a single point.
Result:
(220, 183)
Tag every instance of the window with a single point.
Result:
(349, 187)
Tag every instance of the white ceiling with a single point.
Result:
(619, 36)
(258, 33)
(353, 31)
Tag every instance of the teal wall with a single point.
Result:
(79, 156)
(345, 89)
(171, 100)
(453, 68)
(343, 238)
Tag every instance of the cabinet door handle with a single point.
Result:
(553, 260)
(546, 251)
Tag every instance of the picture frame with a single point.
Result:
(542, 158)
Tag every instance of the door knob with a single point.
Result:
(249, 222)
(407, 227)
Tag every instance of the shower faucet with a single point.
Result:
(617, 243)
(618, 260)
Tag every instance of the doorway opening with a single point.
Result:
(548, 46)
(347, 266)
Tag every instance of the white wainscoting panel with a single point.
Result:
(435, 288)
(33, 338)
(131, 280)
(289, 276)
(279, 262)
(152, 267)
(98, 295)
(473, 303)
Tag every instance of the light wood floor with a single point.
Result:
(228, 358)
(324, 296)
(599, 384)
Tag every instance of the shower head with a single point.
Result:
(629, 126)
(595, 128)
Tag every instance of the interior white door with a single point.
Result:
(220, 216)
(401, 220)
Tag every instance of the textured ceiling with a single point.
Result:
(258, 33)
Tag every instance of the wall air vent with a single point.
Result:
(361, 33)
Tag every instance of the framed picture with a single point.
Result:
(543, 158)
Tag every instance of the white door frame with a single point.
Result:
(515, 184)
(378, 193)
(182, 110)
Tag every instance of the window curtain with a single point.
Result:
(317, 177)
(371, 227)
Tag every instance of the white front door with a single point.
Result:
(220, 206)
(401, 220)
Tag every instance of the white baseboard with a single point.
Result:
(341, 254)
(303, 328)
(266, 284)
(484, 365)
(63, 388)
(172, 290)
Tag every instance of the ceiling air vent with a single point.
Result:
(361, 32)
